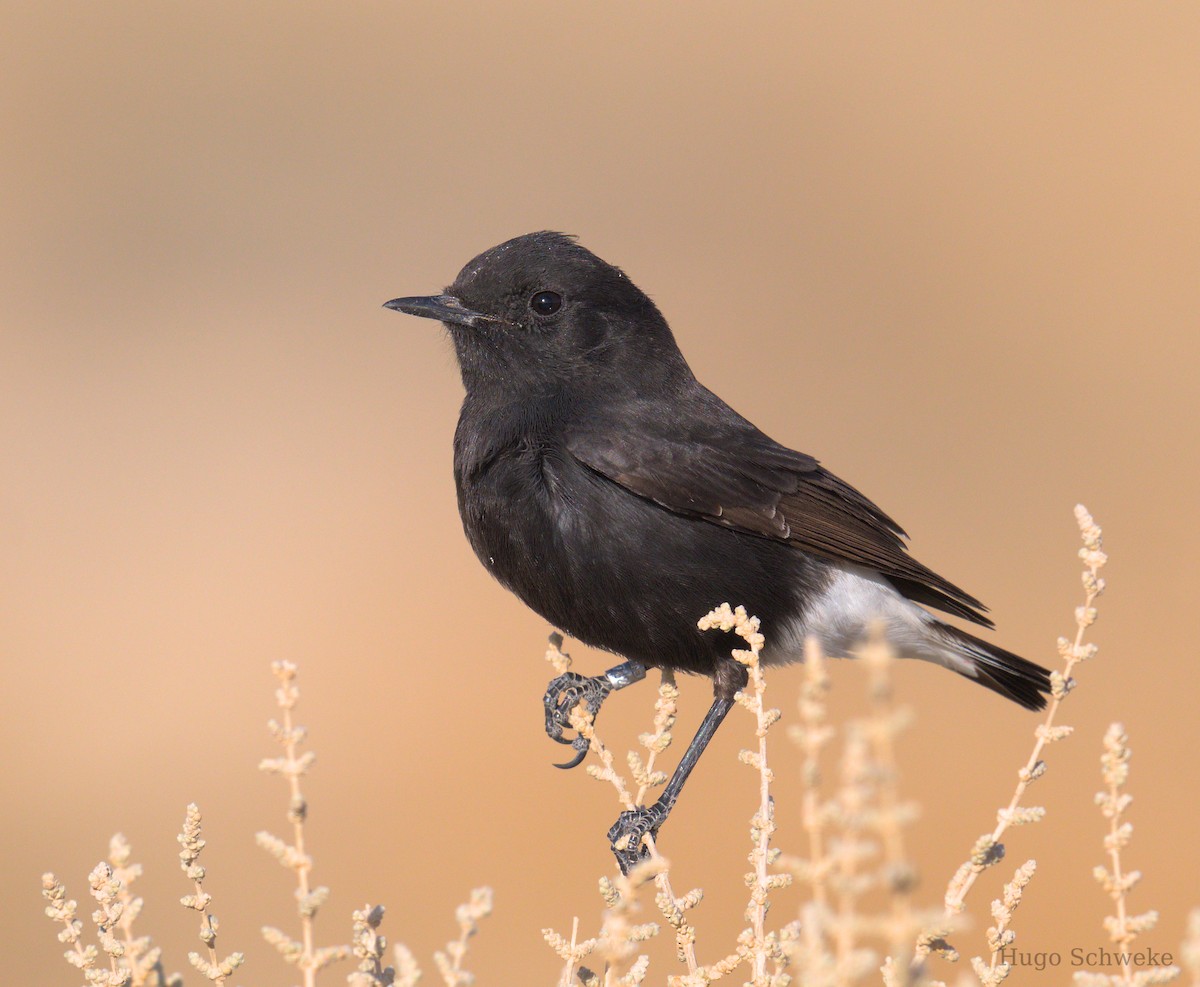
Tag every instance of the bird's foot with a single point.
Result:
(563, 694)
(628, 832)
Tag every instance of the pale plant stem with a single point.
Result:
(112, 960)
(643, 790)
(766, 814)
(764, 846)
(852, 800)
(995, 956)
(1001, 927)
(988, 849)
(1000, 935)
(816, 849)
(302, 868)
(661, 880)
(126, 927)
(207, 920)
(812, 711)
(844, 930)
(662, 722)
(901, 898)
(954, 902)
(890, 808)
(756, 948)
(75, 945)
(568, 974)
(190, 838)
(1123, 936)
(460, 952)
(844, 939)
(639, 799)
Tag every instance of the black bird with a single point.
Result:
(621, 499)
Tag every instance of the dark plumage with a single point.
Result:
(621, 499)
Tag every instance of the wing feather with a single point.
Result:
(730, 473)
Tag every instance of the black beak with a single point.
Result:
(444, 308)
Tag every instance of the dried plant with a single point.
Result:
(988, 849)
(450, 963)
(293, 765)
(1000, 936)
(134, 962)
(84, 958)
(859, 915)
(213, 967)
(811, 952)
(370, 948)
(616, 945)
(855, 839)
(140, 956)
(757, 947)
(856, 849)
(1117, 881)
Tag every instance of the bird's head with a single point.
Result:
(540, 312)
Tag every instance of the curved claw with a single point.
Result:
(556, 722)
(629, 829)
(562, 696)
(581, 745)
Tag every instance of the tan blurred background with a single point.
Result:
(952, 250)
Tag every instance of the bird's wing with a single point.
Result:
(729, 473)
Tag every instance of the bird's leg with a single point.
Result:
(631, 826)
(567, 691)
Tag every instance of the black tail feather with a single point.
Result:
(961, 606)
(1001, 671)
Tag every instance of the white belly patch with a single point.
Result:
(856, 604)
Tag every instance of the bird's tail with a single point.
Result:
(1001, 671)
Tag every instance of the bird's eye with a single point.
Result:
(546, 302)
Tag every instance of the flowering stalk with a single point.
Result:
(988, 849)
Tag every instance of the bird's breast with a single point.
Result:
(608, 567)
(514, 510)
